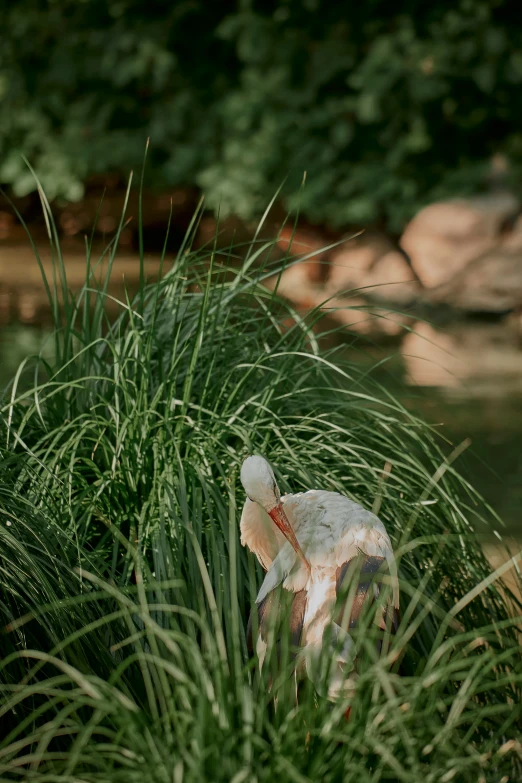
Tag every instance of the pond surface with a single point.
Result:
(466, 380)
(465, 377)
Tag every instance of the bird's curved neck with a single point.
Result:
(259, 533)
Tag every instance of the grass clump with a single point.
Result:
(125, 592)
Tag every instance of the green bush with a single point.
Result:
(124, 592)
(384, 106)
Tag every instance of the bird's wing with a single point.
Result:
(331, 527)
(331, 530)
(340, 530)
(342, 541)
(278, 617)
(283, 564)
(359, 585)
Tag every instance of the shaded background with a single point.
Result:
(388, 108)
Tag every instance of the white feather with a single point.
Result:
(331, 530)
(259, 533)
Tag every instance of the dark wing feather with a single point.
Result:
(367, 569)
(284, 612)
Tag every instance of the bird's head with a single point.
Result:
(260, 483)
(261, 487)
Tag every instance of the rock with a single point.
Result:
(392, 280)
(309, 243)
(352, 260)
(444, 237)
(353, 312)
(295, 285)
(491, 283)
(375, 268)
(367, 264)
(513, 239)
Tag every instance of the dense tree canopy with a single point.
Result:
(384, 105)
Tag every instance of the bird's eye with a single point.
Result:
(252, 501)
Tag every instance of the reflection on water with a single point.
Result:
(468, 359)
(23, 297)
(466, 379)
(17, 341)
(465, 376)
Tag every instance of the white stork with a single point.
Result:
(311, 544)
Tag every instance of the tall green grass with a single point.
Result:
(124, 589)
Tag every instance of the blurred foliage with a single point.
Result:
(16, 343)
(385, 106)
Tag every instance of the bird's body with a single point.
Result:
(334, 537)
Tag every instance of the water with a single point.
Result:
(465, 379)
(464, 376)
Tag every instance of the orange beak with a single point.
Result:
(279, 517)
